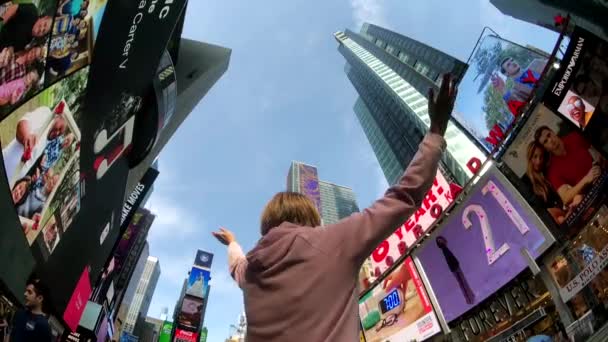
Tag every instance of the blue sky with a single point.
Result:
(285, 97)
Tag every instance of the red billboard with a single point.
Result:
(184, 336)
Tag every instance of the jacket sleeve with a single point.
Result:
(356, 236)
(237, 263)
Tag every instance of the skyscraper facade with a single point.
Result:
(138, 310)
(392, 74)
(333, 201)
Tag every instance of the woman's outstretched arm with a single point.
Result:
(237, 262)
(356, 236)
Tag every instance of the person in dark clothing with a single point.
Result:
(31, 324)
(20, 24)
(454, 267)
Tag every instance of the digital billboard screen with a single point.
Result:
(191, 312)
(165, 332)
(500, 79)
(64, 147)
(558, 167)
(438, 198)
(398, 308)
(203, 259)
(479, 247)
(309, 184)
(579, 89)
(198, 282)
(184, 336)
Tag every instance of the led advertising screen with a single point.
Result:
(184, 336)
(398, 309)
(165, 332)
(479, 247)
(558, 167)
(309, 184)
(579, 90)
(203, 259)
(191, 312)
(198, 282)
(500, 79)
(65, 147)
(437, 199)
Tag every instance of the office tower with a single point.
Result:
(138, 309)
(392, 74)
(589, 14)
(334, 202)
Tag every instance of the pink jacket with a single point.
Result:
(300, 284)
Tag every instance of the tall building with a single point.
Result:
(138, 309)
(589, 14)
(333, 201)
(392, 74)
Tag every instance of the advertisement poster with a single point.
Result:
(198, 281)
(584, 262)
(184, 336)
(191, 312)
(479, 248)
(203, 259)
(500, 79)
(165, 332)
(24, 37)
(309, 184)
(398, 309)
(73, 36)
(579, 90)
(78, 301)
(558, 167)
(437, 199)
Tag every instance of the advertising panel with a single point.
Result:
(558, 168)
(436, 200)
(78, 301)
(64, 148)
(165, 332)
(500, 79)
(579, 90)
(184, 336)
(309, 184)
(203, 259)
(73, 37)
(398, 308)
(191, 312)
(584, 261)
(24, 36)
(479, 248)
(198, 282)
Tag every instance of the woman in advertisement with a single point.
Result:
(300, 282)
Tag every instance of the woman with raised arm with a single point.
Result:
(300, 281)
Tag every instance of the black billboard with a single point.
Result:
(66, 147)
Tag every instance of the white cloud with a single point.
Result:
(171, 219)
(223, 284)
(370, 11)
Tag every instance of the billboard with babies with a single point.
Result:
(71, 86)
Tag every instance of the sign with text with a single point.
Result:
(479, 248)
(579, 91)
(398, 311)
(184, 336)
(436, 200)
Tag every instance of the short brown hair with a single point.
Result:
(289, 207)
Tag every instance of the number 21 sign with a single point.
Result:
(479, 247)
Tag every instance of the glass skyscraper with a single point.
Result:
(392, 74)
(138, 309)
(335, 202)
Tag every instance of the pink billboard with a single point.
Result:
(78, 301)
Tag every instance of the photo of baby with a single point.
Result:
(41, 151)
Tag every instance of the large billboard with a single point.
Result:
(558, 167)
(184, 336)
(198, 282)
(190, 313)
(398, 308)
(309, 184)
(203, 259)
(500, 79)
(165, 332)
(436, 200)
(481, 245)
(579, 90)
(65, 148)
